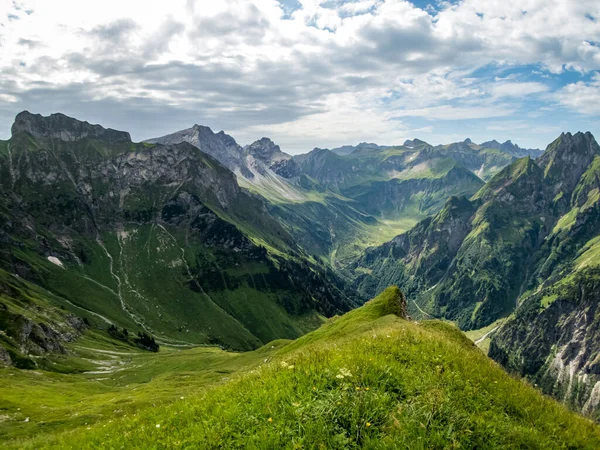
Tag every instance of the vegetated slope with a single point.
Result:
(367, 379)
(394, 182)
(553, 337)
(151, 238)
(528, 240)
(473, 260)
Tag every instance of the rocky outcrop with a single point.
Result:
(554, 341)
(219, 145)
(5, 359)
(30, 337)
(65, 128)
(269, 154)
(566, 159)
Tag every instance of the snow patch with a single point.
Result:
(55, 260)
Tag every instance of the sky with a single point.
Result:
(308, 73)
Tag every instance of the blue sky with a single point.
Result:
(308, 73)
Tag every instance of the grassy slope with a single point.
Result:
(364, 379)
(119, 381)
(153, 265)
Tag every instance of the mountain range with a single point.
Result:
(192, 240)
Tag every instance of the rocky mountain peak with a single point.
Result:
(267, 152)
(468, 141)
(219, 145)
(512, 149)
(567, 158)
(60, 126)
(414, 143)
(492, 144)
(202, 128)
(263, 149)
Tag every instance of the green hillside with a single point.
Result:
(367, 379)
(158, 239)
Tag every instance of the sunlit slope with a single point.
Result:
(367, 379)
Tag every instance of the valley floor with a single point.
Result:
(107, 381)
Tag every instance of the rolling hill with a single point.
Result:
(370, 378)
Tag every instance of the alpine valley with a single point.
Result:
(188, 291)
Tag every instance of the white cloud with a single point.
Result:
(240, 65)
(582, 97)
(517, 89)
(449, 112)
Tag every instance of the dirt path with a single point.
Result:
(482, 338)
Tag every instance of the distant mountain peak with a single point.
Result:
(202, 127)
(269, 153)
(414, 143)
(60, 126)
(220, 146)
(263, 149)
(346, 150)
(567, 158)
(512, 149)
(468, 141)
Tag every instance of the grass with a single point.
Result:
(55, 402)
(250, 308)
(566, 221)
(368, 379)
(589, 255)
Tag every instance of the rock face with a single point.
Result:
(220, 146)
(255, 162)
(64, 128)
(554, 341)
(25, 337)
(567, 158)
(269, 154)
(5, 359)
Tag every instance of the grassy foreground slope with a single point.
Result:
(367, 379)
